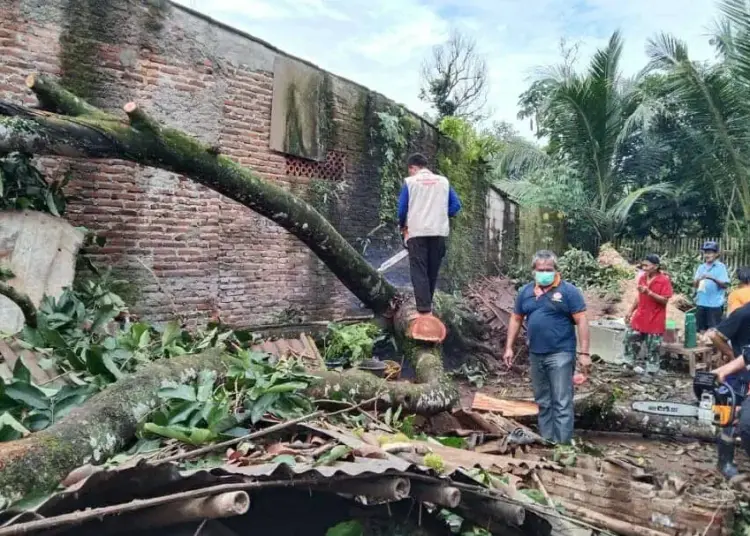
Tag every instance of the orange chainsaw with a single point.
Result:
(717, 402)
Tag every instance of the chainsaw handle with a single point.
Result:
(733, 398)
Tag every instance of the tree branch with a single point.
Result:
(23, 301)
(54, 98)
(95, 134)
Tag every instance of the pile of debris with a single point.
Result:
(491, 301)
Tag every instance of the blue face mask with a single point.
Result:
(544, 279)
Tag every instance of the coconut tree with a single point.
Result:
(713, 107)
(597, 153)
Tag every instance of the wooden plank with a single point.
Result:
(507, 408)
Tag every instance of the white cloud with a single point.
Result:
(381, 43)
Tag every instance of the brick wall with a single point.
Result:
(185, 247)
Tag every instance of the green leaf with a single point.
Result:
(182, 413)
(261, 406)
(171, 333)
(336, 453)
(27, 394)
(181, 392)
(191, 436)
(286, 387)
(347, 528)
(286, 459)
(21, 371)
(10, 428)
(206, 380)
(100, 361)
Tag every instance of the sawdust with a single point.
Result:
(609, 256)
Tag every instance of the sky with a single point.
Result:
(381, 44)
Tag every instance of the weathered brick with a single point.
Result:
(209, 253)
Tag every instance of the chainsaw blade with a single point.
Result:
(668, 409)
(398, 257)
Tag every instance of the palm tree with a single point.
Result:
(597, 155)
(714, 108)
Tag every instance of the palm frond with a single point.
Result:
(619, 212)
(519, 157)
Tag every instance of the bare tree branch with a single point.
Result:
(454, 79)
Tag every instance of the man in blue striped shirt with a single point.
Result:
(425, 206)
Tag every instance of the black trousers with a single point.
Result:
(708, 317)
(425, 257)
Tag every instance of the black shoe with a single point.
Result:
(726, 464)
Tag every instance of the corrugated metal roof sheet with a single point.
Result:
(303, 348)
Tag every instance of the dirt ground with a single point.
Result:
(683, 458)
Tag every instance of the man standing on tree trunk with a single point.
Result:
(552, 308)
(425, 206)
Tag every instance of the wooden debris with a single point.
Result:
(507, 408)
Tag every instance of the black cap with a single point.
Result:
(653, 259)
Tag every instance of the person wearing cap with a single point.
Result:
(711, 281)
(647, 318)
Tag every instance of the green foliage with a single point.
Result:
(582, 269)
(22, 186)
(350, 344)
(204, 411)
(26, 407)
(346, 528)
(404, 424)
(681, 270)
(592, 120)
(78, 335)
(389, 144)
(464, 160)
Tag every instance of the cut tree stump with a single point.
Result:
(426, 328)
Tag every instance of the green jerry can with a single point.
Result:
(691, 334)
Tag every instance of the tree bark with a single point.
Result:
(94, 431)
(104, 424)
(91, 133)
(599, 411)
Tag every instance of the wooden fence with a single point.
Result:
(735, 252)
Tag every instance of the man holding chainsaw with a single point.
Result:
(732, 338)
(425, 206)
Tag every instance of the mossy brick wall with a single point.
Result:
(187, 248)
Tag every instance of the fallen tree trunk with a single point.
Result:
(599, 411)
(432, 393)
(94, 431)
(107, 421)
(87, 132)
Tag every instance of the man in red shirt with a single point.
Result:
(647, 317)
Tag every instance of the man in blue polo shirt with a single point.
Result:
(711, 281)
(552, 309)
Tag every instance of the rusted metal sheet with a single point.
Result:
(9, 355)
(302, 348)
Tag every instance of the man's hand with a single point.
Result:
(642, 289)
(584, 362)
(508, 357)
(629, 317)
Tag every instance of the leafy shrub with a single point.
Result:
(352, 343)
(681, 270)
(207, 410)
(583, 270)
